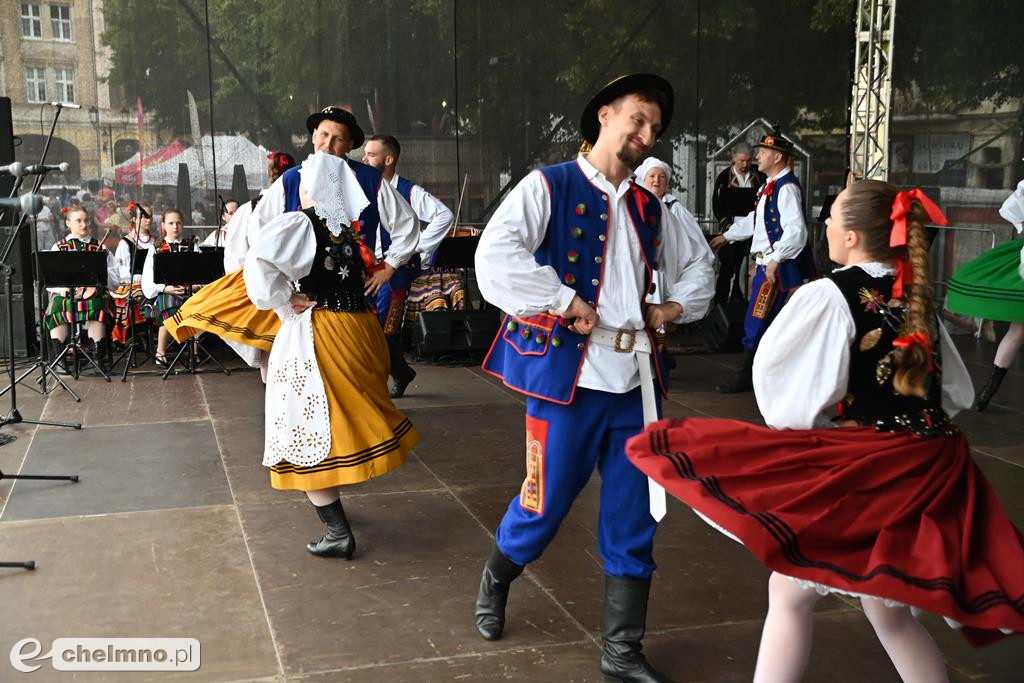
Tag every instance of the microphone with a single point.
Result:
(40, 169)
(26, 203)
(16, 169)
(65, 105)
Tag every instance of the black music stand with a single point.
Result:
(188, 268)
(738, 201)
(131, 348)
(73, 269)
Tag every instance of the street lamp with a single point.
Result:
(94, 116)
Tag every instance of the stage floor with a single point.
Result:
(174, 531)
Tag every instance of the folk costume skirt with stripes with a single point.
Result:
(59, 311)
(881, 514)
(223, 308)
(369, 436)
(991, 286)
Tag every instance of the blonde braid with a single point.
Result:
(912, 363)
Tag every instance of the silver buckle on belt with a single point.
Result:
(624, 334)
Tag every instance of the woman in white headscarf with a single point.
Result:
(655, 175)
(329, 419)
(992, 287)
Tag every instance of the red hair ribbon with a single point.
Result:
(63, 209)
(901, 207)
(916, 339)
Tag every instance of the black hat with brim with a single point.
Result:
(338, 115)
(775, 140)
(625, 85)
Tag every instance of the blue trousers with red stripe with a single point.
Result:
(564, 445)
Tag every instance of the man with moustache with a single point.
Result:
(730, 256)
(382, 152)
(569, 256)
(778, 248)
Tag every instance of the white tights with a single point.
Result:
(786, 638)
(94, 328)
(1010, 345)
(321, 497)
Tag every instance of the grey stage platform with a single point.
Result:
(174, 531)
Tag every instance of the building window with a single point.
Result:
(35, 83)
(65, 84)
(31, 24)
(60, 21)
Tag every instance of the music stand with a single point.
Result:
(188, 268)
(738, 201)
(130, 349)
(73, 269)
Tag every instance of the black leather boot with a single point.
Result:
(990, 388)
(64, 366)
(339, 541)
(402, 373)
(499, 572)
(743, 379)
(625, 618)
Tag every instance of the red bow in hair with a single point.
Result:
(916, 339)
(901, 207)
(63, 209)
(640, 199)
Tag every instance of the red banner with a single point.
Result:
(131, 174)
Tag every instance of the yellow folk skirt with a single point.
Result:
(223, 308)
(369, 436)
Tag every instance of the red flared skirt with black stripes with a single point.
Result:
(883, 514)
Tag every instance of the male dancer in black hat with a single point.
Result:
(569, 255)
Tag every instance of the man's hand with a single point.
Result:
(300, 302)
(657, 315)
(584, 314)
(769, 271)
(717, 242)
(378, 279)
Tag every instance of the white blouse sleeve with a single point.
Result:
(149, 288)
(742, 228)
(506, 271)
(957, 388)
(802, 366)
(123, 261)
(281, 253)
(688, 277)
(236, 243)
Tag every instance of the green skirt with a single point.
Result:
(990, 286)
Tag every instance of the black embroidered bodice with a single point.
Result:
(871, 398)
(336, 280)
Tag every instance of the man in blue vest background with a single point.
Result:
(569, 256)
(382, 152)
(779, 248)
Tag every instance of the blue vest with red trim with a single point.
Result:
(405, 189)
(538, 355)
(792, 272)
(369, 179)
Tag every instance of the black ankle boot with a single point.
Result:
(499, 572)
(990, 388)
(402, 373)
(339, 541)
(625, 618)
(743, 379)
(56, 346)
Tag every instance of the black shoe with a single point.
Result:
(499, 572)
(339, 541)
(990, 388)
(161, 361)
(402, 381)
(625, 620)
(743, 379)
(64, 366)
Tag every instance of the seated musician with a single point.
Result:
(163, 301)
(90, 304)
(130, 252)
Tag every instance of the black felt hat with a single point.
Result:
(624, 85)
(775, 140)
(338, 115)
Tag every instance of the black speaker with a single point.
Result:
(724, 326)
(438, 332)
(21, 346)
(6, 154)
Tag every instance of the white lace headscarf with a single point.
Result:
(649, 164)
(331, 183)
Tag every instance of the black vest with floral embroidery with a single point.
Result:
(871, 398)
(336, 280)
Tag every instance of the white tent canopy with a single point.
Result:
(231, 150)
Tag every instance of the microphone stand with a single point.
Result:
(14, 415)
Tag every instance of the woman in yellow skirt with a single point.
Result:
(329, 419)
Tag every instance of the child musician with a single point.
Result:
(887, 504)
(89, 303)
(163, 301)
(130, 252)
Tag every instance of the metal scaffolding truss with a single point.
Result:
(872, 89)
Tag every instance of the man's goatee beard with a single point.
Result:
(629, 159)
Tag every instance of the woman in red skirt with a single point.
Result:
(861, 484)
